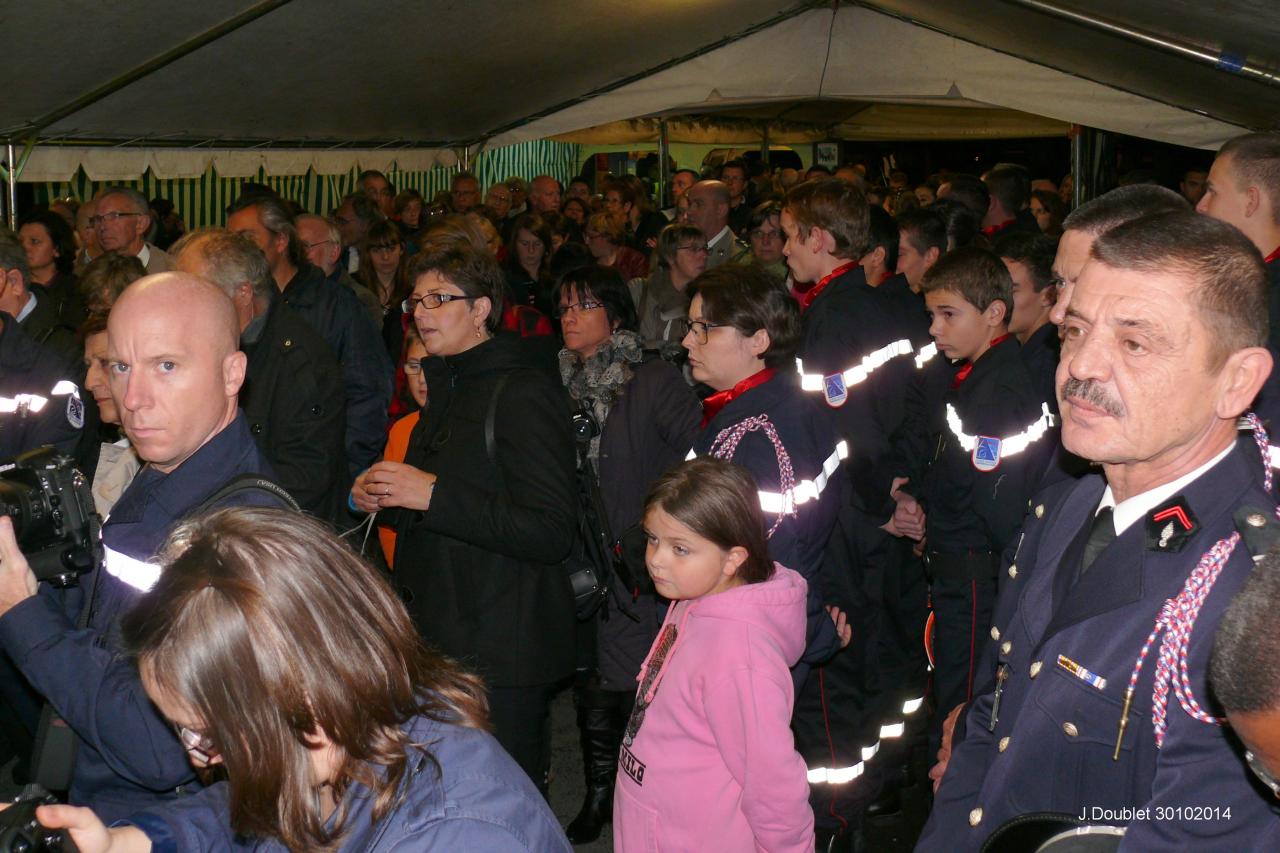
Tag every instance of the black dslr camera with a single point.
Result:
(53, 515)
(20, 832)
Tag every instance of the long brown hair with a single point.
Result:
(384, 233)
(717, 500)
(270, 629)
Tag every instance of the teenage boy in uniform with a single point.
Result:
(985, 455)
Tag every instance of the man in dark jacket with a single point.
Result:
(1081, 719)
(335, 313)
(39, 401)
(175, 372)
(293, 395)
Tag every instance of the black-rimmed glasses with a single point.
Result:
(700, 329)
(431, 301)
(584, 305)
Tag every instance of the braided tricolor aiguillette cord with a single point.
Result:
(1178, 618)
(726, 444)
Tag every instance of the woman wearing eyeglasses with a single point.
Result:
(484, 503)
(743, 330)
(661, 299)
(644, 418)
(282, 658)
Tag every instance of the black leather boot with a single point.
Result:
(601, 733)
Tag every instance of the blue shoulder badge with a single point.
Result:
(834, 389)
(986, 453)
(75, 411)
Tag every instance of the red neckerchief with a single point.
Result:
(963, 373)
(717, 401)
(812, 293)
(1271, 257)
(991, 230)
(888, 274)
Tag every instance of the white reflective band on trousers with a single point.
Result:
(1009, 445)
(844, 775)
(34, 403)
(136, 573)
(778, 503)
(860, 371)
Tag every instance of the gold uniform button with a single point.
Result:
(975, 817)
(1035, 669)
(995, 633)
(1013, 570)
(1070, 729)
(1039, 510)
(1004, 744)
(1006, 647)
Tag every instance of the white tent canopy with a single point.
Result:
(332, 84)
(874, 57)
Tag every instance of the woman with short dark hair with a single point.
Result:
(283, 658)
(743, 332)
(643, 418)
(484, 503)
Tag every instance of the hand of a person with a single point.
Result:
(17, 583)
(898, 483)
(364, 501)
(843, 629)
(90, 834)
(908, 517)
(395, 484)
(944, 751)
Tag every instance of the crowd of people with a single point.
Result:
(799, 482)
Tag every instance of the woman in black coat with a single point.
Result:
(485, 502)
(645, 418)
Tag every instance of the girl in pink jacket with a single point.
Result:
(707, 761)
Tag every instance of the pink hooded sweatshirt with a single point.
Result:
(712, 765)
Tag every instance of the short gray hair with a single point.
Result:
(13, 256)
(137, 200)
(1121, 205)
(276, 217)
(230, 260)
(331, 227)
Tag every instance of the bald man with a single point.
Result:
(709, 211)
(175, 371)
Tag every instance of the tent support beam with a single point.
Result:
(1222, 61)
(152, 65)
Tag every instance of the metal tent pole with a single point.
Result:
(12, 181)
(664, 162)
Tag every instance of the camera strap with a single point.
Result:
(53, 755)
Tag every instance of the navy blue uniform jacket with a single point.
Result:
(800, 540)
(129, 756)
(1054, 735)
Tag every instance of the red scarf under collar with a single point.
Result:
(806, 299)
(963, 373)
(717, 401)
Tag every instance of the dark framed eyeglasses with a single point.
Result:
(694, 247)
(1263, 775)
(108, 217)
(431, 301)
(700, 329)
(196, 743)
(584, 305)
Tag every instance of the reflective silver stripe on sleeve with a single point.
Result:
(1010, 445)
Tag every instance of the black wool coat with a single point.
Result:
(482, 568)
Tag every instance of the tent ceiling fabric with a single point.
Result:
(404, 74)
(1240, 28)
(429, 74)
(927, 66)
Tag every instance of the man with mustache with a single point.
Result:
(1100, 704)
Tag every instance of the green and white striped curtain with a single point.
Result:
(204, 201)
